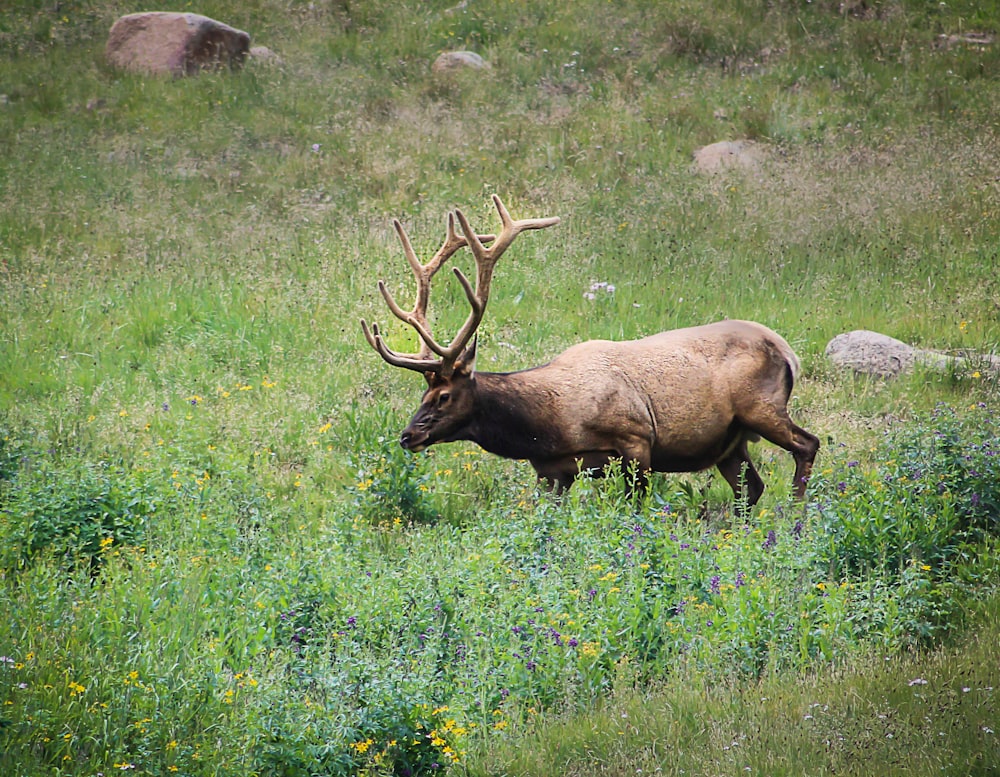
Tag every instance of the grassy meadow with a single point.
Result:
(215, 559)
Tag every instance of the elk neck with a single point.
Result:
(515, 415)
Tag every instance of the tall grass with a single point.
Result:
(216, 559)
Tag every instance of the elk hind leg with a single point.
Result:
(775, 426)
(741, 476)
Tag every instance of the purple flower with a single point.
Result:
(770, 541)
(572, 642)
(841, 487)
(741, 580)
(797, 529)
(713, 584)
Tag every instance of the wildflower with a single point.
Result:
(918, 681)
(315, 148)
(713, 584)
(771, 541)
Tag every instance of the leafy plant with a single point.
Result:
(76, 512)
(391, 485)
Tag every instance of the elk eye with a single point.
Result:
(443, 398)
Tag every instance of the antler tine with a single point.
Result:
(417, 363)
(422, 361)
(486, 259)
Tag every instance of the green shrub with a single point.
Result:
(77, 511)
(934, 485)
(391, 485)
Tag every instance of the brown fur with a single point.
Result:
(678, 401)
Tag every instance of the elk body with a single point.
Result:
(679, 401)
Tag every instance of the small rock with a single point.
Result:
(265, 55)
(727, 154)
(981, 39)
(456, 60)
(175, 43)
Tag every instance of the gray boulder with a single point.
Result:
(871, 353)
(458, 60)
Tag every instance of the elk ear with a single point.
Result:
(466, 364)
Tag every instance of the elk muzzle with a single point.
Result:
(413, 438)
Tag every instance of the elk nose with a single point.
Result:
(404, 439)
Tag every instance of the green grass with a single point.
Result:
(928, 714)
(217, 559)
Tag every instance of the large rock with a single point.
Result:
(175, 43)
(871, 353)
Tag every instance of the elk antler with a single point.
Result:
(486, 259)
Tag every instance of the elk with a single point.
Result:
(678, 401)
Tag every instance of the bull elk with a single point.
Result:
(678, 401)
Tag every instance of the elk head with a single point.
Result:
(449, 402)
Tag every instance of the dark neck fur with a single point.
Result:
(511, 420)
